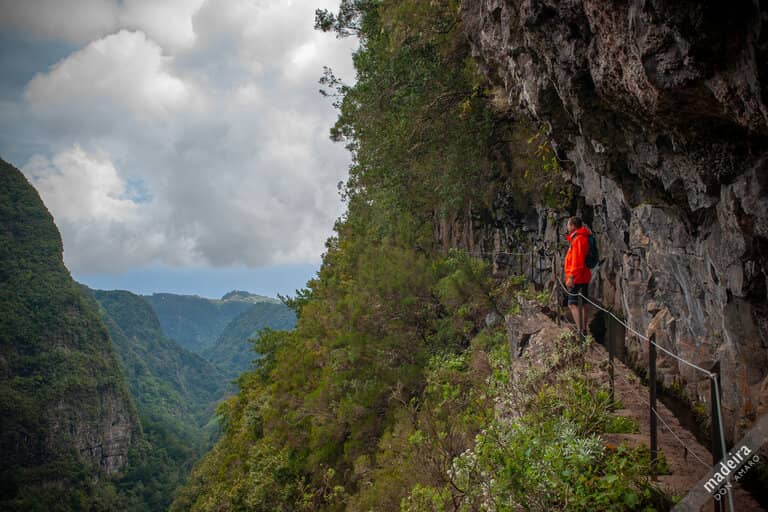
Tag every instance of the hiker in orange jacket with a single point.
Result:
(577, 274)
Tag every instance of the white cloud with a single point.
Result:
(169, 22)
(124, 71)
(226, 133)
(81, 187)
(103, 228)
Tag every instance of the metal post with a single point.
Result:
(580, 316)
(531, 262)
(652, 387)
(609, 339)
(555, 288)
(717, 449)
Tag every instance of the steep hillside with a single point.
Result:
(233, 351)
(150, 359)
(482, 126)
(196, 322)
(397, 390)
(66, 417)
(175, 391)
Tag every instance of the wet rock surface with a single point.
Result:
(658, 111)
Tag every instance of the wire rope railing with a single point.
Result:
(682, 443)
(718, 434)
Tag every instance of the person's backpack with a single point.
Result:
(593, 256)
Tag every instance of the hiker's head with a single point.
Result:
(574, 223)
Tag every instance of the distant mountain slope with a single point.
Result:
(161, 374)
(232, 350)
(196, 322)
(66, 417)
(174, 389)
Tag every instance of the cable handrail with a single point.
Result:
(716, 405)
(713, 376)
(656, 413)
(506, 253)
(473, 252)
(642, 336)
(628, 327)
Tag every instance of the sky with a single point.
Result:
(180, 145)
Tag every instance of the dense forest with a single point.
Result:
(385, 393)
(219, 330)
(232, 351)
(175, 392)
(195, 322)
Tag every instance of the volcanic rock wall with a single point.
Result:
(658, 109)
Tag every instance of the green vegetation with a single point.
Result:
(195, 322)
(219, 329)
(547, 454)
(175, 392)
(242, 296)
(327, 395)
(233, 352)
(618, 424)
(71, 436)
(390, 392)
(62, 393)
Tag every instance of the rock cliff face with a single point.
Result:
(657, 109)
(102, 431)
(65, 411)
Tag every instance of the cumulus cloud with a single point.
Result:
(80, 187)
(125, 71)
(212, 152)
(167, 21)
(97, 217)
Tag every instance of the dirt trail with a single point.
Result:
(685, 456)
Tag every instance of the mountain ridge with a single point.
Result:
(194, 322)
(218, 329)
(233, 350)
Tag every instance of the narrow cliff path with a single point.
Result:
(688, 460)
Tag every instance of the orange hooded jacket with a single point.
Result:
(574, 258)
